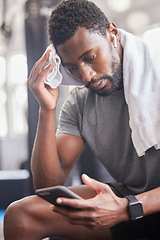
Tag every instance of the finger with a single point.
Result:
(94, 184)
(39, 80)
(42, 61)
(38, 66)
(68, 212)
(82, 222)
(72, 214)
(75, 217)
(63, 209)
(75, 204)
(45, 71)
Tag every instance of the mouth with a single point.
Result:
(100, 84)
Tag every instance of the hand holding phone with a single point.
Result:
(52, 193)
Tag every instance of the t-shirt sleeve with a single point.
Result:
(70, 117)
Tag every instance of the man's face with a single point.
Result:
(91, 58)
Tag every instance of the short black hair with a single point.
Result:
(69, 15)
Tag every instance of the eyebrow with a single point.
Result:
(85, 53)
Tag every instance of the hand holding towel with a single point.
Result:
(55, 73)
(58, 75)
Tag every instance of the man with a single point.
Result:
(90, 48)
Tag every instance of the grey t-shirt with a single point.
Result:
(103, 122)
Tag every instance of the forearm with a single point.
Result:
(150, 201)
(45, 163)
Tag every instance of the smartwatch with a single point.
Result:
(135, 207)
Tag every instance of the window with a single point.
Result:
(13, 95)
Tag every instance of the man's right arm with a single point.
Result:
(53, 156)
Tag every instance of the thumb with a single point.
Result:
(92, 183)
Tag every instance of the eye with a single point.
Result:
(71, 69)
(91, 58)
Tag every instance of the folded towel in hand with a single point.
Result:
(55, 73)
(58, 75)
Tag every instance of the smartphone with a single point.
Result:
(50, 194)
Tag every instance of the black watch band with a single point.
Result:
(135, 207)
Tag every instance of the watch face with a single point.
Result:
(136, 210)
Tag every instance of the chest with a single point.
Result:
(106, 129)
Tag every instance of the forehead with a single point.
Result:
(83, 41)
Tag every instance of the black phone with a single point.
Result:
(50, 194)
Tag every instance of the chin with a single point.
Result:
(106, 91)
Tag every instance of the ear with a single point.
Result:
(112, 34)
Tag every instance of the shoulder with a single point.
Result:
(78, 96)
(79, 92)
(80, 99)
(75, 100)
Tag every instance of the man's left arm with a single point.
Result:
(105, 209)
(150, 201)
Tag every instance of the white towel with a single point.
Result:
(141, 76)
(54, 77)
(58, 75)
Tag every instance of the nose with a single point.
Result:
(87, 73)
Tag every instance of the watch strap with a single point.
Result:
(135, 207)
(131, 198)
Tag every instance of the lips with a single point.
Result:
(100, 84)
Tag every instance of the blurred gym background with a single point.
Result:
(23, 39)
